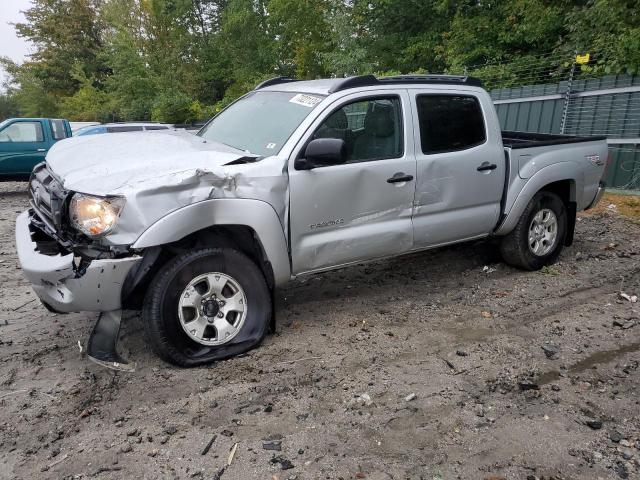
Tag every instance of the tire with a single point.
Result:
(515, 247)
(165, 317)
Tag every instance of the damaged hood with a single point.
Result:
(158, 173)
(116, 163)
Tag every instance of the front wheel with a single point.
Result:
(206, 305)
(539, 235)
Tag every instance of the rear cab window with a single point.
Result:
(449, 123)
(58, 129)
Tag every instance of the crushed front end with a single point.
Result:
(68, 271)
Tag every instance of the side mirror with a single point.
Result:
(322, 152)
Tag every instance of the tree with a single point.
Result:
(175, 60)
(27, 90)
(302, 35)
(65, 33)
(8, 107)
(402, 35)
(88, 104)
(612, 36)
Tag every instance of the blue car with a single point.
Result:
(120, 127)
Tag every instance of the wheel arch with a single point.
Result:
(566, 190)
(251, 226)
(560, 179)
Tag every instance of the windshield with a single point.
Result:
(261, 122)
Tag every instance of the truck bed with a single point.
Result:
(515, 140)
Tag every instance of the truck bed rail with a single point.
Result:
(515, 140)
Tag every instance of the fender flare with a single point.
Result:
(255, 214)
(557, 172)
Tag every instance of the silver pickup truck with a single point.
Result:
(295, 177)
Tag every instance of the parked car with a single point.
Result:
(24, 142)
(120, 127)
(75, 126)
(294, 178)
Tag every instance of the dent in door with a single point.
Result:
(332, 239)
(432, 188)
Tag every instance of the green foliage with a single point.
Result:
(65, 33)
(88, 103)
(28, 92)
(613, 32)
(8, 107)
(175, 107)
(302, 35)
(183, 60)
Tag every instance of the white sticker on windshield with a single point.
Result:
(271, 146)
(306, 100)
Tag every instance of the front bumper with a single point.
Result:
(599, 193)
(61, 286)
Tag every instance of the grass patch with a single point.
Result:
(627, 205)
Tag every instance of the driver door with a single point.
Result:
(22, 146)
(359, 210)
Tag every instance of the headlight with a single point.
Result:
(95, 216)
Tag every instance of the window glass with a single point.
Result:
(125, 128)
(371, 129)
(449, 123)
(261, 122)
(22, 132)
(90, 130)
(58, 130)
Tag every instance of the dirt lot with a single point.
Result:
(428, 366)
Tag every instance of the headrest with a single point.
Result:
(337, 120)
(379, 120)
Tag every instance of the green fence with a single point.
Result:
(608, 106)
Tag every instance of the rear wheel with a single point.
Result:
(206, 305)
(539, 235)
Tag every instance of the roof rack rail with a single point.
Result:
(433, 78)
(353, 82)
(274, 81)
(371, 81)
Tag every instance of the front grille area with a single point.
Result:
(47, 196)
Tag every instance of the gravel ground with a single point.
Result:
(426, 366)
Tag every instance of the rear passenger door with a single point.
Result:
(359, 210)
(460, 168)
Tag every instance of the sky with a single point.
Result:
(10, 45)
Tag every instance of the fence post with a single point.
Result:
(567, 95)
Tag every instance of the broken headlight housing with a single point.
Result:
(95, 216)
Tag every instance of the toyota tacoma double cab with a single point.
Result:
(294, 178)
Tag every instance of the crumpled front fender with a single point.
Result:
(255, 214)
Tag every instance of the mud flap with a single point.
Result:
(101, 347)
(571, 223)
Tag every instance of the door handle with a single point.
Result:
(485, 166)
(399, 178)
(42, 150)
